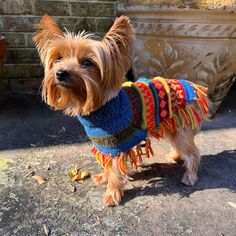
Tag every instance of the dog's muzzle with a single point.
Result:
(62, 75)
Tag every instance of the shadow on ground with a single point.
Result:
(216, 172)
(25, 122)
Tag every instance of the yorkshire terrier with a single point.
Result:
(85, 77)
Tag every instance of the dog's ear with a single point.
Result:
(120, 40)
(48, 31)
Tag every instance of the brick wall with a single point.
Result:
(23, 72)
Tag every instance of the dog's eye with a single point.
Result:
(59, 59)
(86, 63)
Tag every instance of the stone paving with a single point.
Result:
(34, 138)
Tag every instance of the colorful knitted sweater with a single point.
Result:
(146, 106)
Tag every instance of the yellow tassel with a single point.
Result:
(202, 108)
(176, 122)
(122, 163)
(191, 116)
(203, 100)
(184, 117)
(108, 162)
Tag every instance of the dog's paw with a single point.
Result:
(189, 178)
(113, 198)
(100, 178)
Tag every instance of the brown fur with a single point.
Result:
(111, 58)
(90, 87)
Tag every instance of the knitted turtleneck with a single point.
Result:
(142, 107)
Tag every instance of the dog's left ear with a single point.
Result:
(48, 31)
(120, 40)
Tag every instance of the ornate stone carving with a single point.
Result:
(187, 30)
(198, 45)
(218, 75)
(165, 63)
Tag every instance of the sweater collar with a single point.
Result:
(106, 113)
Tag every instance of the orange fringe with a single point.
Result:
(135, 157)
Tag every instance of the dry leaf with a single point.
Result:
(84, 174)
(73, 172)
(75, 175)
(81, 175)
(40, 179)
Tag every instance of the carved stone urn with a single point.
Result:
(193, 41)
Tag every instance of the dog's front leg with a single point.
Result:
(115, 186)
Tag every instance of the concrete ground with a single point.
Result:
(34, 138)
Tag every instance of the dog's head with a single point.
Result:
(81, 73)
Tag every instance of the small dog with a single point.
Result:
(84, 77)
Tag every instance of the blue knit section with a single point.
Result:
(113, 117)
(154, 92)
(189, 90)
(126, 145)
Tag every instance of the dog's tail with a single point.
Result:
(211, 112)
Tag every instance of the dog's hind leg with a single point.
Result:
(183, 143)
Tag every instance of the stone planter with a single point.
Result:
(185, 43)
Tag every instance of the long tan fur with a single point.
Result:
(97, 70)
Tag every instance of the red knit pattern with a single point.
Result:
(149, 105)
(163, 100)
(178, 98)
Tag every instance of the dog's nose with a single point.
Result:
(62, 75)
